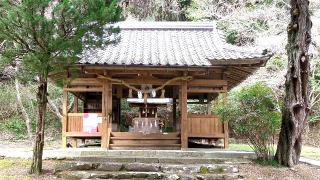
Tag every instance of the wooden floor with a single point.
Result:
(130, 140)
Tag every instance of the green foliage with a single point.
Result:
(197, 108)
(159, 10)
(276, 63)
(270, 162)
(9, 110)
(204, 170)
(315, 91)
(7, 101)
(260, 24)
(253, 112)
(232, 36)
(127, 114)
(48, 36)
(17, 125)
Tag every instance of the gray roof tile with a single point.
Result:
(169, 44)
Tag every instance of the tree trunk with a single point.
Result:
(36, 166)
(297, 105)
(23, 110)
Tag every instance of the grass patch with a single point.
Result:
(307, 151)
(310, 152)
(10, 163)
(240, 147)
(204, 170)
(262, 162)
(14, 178)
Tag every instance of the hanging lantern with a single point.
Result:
(139, 94)
(162, 93)
(153, 93)
(130, 93)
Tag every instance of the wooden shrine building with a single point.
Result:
(168, 63)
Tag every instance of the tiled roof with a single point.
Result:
(170, 44)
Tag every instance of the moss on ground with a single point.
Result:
(204, 170)
(10, 163)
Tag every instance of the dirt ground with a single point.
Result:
(17, 169)
(299, 172)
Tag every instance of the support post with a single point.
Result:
(226, 135)
(184, 115)
(109, 113)
(105, 123)
(75, 105)
(209, 100)
(225, 125)
(64, 119)
(174, 113)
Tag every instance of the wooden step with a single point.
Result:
(145, 141)
(143, 138)
(141, 135)
(145, 146)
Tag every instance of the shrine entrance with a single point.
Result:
(140, 115)
(186, 62)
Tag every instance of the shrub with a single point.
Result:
(232, 36)
(253, 112)
(276, 63)
(16, 125)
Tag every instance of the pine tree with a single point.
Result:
(47, 35)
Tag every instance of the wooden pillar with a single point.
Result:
(174, 113)
(64, 119)
(75, 105)
(105, 119)
(226, 135)
(184, 114)
(109, 109)
(225, 125)
(209, 100)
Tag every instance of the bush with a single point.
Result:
(253, 112)
(16, 125)
(276, 63)
(232, 36)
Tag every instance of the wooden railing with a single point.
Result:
(207, 126)
(75, 126)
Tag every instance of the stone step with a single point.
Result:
(169, 160)
(147, 167)
(143, 175)
(159, 154)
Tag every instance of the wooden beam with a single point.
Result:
(184, 114)
(83, 89)
(145, 67)
(206, 90)
(85, 81)
(208, 82)
(148, 81)
(64, 119)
